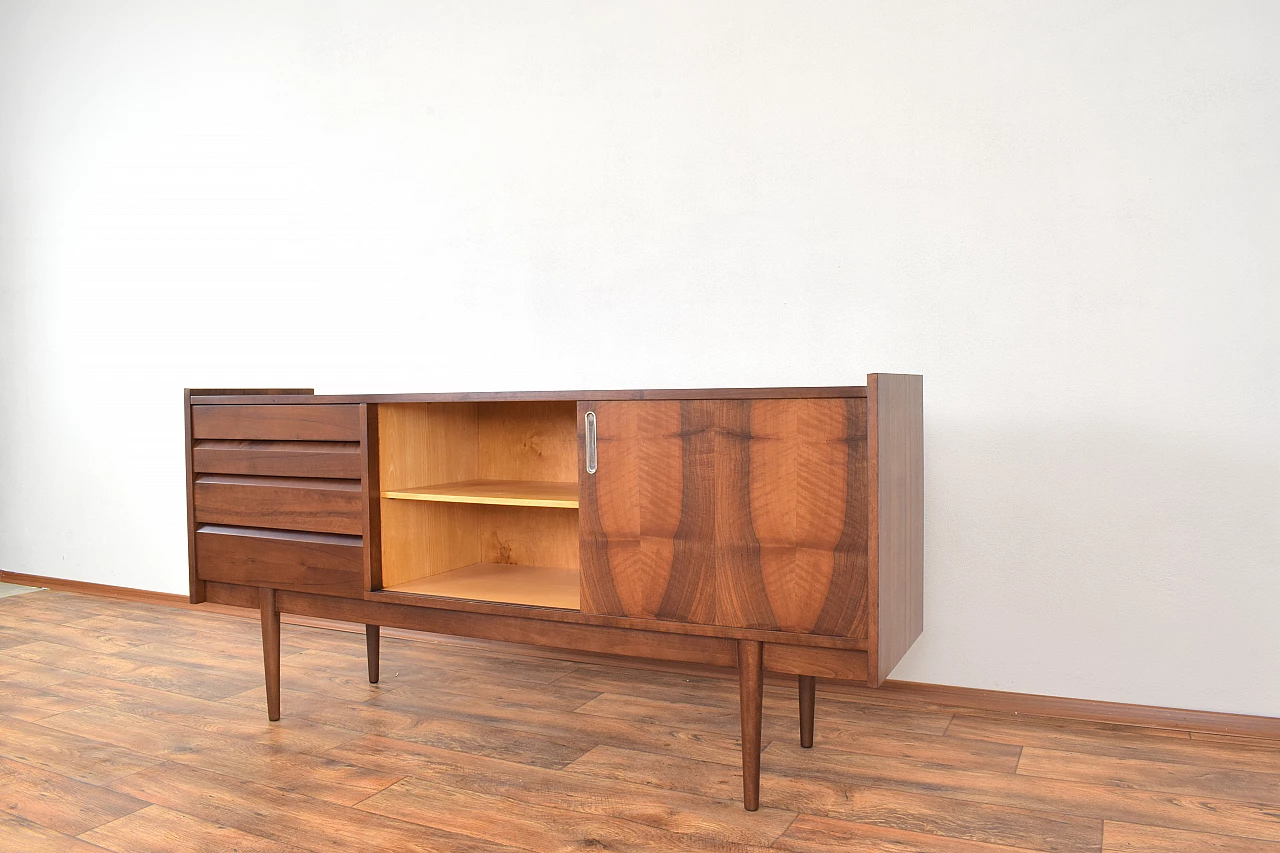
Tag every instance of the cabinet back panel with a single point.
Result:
(422, 444)
(528, 441)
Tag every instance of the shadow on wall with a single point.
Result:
(1110, 565)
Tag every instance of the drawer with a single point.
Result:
(340, 459)
(308, 562)
(277, 423)
(288, 503)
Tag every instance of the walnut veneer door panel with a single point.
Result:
(740, 513)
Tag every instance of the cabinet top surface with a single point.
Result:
(205, 398)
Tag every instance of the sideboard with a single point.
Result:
(768, 529)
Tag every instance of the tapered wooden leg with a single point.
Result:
(271, 649)
(808, 692)
(750, 697)
(372, 641)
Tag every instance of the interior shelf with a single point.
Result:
(503, 492)
(537, 586)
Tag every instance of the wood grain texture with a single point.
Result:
(257, 393)
(333, 459)
(277, 423)
(326, 563)
(750, 696)
(516, 629)
(1261, 733)
(895, 418)
(537, 586)
(543, 493)
(419, 445)
(746, 514)
(285, 503)
(807, 688)
(373, 651)
(370, 502)
(527, 441)
(649, 763)
(195, 585)
(271, 649)
(845, 664)
(157, 829)
(1120, 837)
(431, 538)
(815, 392)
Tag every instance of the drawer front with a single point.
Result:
(287, 503)
(340, 459)
(277, 423)
(308, 562)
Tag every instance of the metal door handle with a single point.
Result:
(591, 442)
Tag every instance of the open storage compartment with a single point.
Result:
(480, 501)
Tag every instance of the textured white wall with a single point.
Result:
(1065, 215)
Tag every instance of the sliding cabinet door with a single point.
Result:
(740, 513)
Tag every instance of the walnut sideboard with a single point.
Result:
(768, 529)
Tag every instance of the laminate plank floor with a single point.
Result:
(132, 728)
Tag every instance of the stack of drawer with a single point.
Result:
(277, 496)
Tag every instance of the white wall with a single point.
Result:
(1065, 215)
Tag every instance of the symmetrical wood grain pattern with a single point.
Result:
(309, 562)
(896, 452)
(471, 747)
(334, 459)
(497, 492)
(738, 513)
(287, 503)
(277, 423)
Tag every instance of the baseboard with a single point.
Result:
(1149, 716)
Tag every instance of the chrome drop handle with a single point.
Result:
(591, 442)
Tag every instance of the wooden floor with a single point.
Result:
(139, 728)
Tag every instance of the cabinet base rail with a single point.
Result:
(749, 656)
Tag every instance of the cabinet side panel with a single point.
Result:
(896, 404)
(196, 587)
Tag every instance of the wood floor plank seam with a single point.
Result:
(969, 698)
(121, 732)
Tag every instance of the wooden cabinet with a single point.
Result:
(776, 530)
